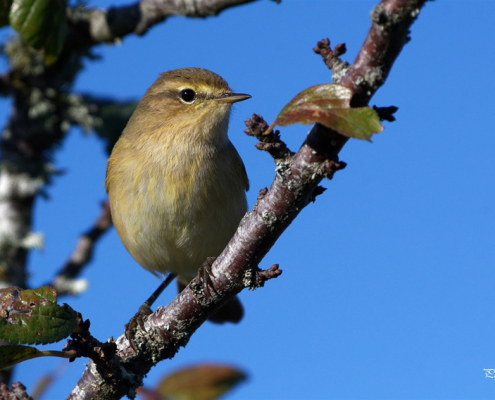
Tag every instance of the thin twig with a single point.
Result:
(331, 58)
(95, 26)
(269, 140)
(65, 281)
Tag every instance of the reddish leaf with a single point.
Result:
(329, 105)
(202, 382)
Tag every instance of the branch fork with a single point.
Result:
(331, 58)
(269, 140)
(83, 344)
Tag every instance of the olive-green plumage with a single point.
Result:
(175, 181)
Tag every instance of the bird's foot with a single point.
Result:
(144, 311)
(205, 273)
(138, 320)
(232, 311)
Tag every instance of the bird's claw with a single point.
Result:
(138, 320)
(205, 273)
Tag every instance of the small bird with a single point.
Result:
(176, 183)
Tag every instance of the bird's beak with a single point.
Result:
(231, 97)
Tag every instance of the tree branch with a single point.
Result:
(389, 32)
(96, 26)
(331, 58)
(295, 186)
(44, 109)
(65, 281)
(18, 392)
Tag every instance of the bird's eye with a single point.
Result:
(188, 95)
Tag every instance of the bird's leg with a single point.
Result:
(144, 311)
(205, 273)
(232, 311)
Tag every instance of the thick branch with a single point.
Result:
(389, 32)
(295, 186)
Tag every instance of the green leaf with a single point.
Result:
(329, 105)
(34, 317)
(203, 382)
(4, 12)
(12, 354)
(15, 354)
(42, 24)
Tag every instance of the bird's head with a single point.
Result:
(191, 99)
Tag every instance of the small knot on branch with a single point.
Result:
(265, 275)
(318, 190)
(262, 193)
(256, 126)
(269, 139)
(386, 113)
(83, 344)
(329, 167)
(339, 49)
(331, 58)
(323, 48)
(271, 148)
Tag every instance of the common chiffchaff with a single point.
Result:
(175, 181)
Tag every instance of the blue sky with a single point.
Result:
(388, 277)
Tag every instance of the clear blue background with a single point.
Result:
(388, 279)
